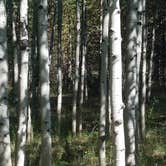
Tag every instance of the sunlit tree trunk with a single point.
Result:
(103, 83)
(76, 80)
(45, 157)
(143, 75)
(23, 84)
(5, 150)
(117, 105)
(139, 53)
(59, 64)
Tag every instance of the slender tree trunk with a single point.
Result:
(139, 53)
(143, 76)
(103, 83)
(131, 83)
(75, 93)
(34, 60)
(53, 32)
(117, 105)
(150, 71)
(82, 66)
(23, 84)
(59, 64)
(45, 157)
(5, 150)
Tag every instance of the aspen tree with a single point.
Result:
(59, 64)
(23, 84)
(131, 84)
(82, 65)
(143, 74)
(5, 150)
(76, 79)
(117, 105)
(103, 83)
(149, 84)
(45, 157)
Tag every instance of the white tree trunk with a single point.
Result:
(15, 55)
(103, 83)
(59, 64)
(117, 105)
(82, 66)
(131, 84)
(45, 157)
(139, 53)
(143, 75)
(75, 93)
(5, 150)
(23, 84)
(151, 65)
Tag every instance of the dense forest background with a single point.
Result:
(82, 82)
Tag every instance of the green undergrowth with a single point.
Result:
(153, 150)
(82, 150)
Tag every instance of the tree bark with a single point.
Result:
(76, 80)
(103, 83)
(5, 150)
(23, 84)
(45, 157)
(131, 82)
(59, 64)
(117, 105)
(143, 75)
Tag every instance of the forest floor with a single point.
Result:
(83, 150)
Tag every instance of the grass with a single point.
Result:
(83, 150)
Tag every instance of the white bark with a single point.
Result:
(139, 53)
(23, 84)
(45, 157)
(82, 66)
(131, 84)
(59, 64)
(116, 83)
(143, 75)
(15, 54)
(75, 93)
(151, 64)
(5, 150)
(103, 83)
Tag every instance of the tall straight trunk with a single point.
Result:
(143, 75)
(34, 59)
(59, 64)
(45, 157)
(131, 82)
(117, 105)
(103, 83)
(53, 31)
(13, 46)
(15, 61)
(76, 80)
(150, 70)
(82, 66)
(23, 84)
(5, 152)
